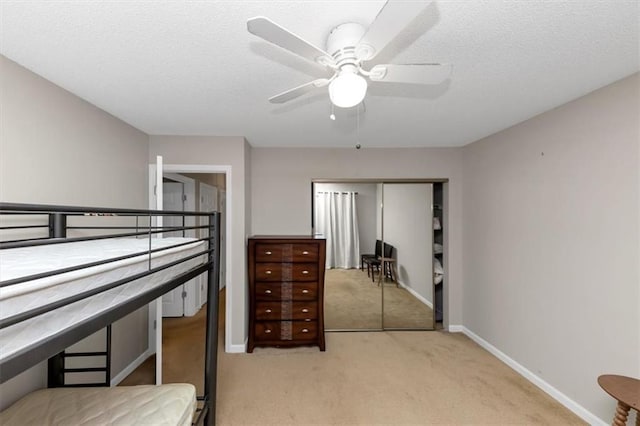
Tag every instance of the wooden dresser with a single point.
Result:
(286, 291)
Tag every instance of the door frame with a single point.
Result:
(201, 168)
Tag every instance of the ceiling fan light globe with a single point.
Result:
(347, 90)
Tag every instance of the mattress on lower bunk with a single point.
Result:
(171, 404)
(32, 294)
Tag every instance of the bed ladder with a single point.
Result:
(57, 371)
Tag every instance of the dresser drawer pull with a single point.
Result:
(305, 272)
(305, 330)
(305, 310)
(305, 291)
(267, 331)
(268, 311)
(305, 252)
(268, 253)
(267, 291)
(268, 272)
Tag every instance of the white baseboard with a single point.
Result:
(129, 368)
(455, 329)
(563, 399)
(415, 294)
(236, 349)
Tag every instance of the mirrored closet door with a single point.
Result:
(347, 215)
(380, 253)
(407, 270)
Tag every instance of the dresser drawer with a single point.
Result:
(271, 291)
(286, 271)
(285, 330)
(286, 310)
(299, 252)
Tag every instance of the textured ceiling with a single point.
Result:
(191, 67)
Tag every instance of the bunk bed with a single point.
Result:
(67, 272)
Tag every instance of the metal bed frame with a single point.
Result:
(57, 229)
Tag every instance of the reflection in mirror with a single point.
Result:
(407, 266)
(438, 252)
(348, 216)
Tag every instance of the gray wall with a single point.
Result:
(551, 210)
(56, 148)
(227, 151)
(281, 192)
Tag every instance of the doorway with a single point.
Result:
(186, 170)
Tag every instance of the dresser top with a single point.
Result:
(285, 237)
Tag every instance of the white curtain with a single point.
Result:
(337, 221)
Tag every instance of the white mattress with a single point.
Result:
(31, 260)
(172, 404)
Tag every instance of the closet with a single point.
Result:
(438, 251)
(400, 291)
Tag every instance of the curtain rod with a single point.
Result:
(335, 192)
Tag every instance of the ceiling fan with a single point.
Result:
(348, 47)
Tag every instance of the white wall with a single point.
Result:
(551, 234)
(56, 148)
(408, 227)
(366, 209)
(281, 192)
(223, 151)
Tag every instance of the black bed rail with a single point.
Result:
(18, 208)
(31, 242)
(201, 411)
(211, 340)
(62, 240)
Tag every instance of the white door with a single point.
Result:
(173, 199)
(208, 203)
(155, 307)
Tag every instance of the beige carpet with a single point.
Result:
(377, 378)
(353, 301)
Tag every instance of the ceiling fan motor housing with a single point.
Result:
(342, 43)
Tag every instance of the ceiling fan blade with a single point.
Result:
(274, 33)
(298, 91)
(391, 19)
(411, 73)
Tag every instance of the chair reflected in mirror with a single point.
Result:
(374, 263)
(365, 259)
